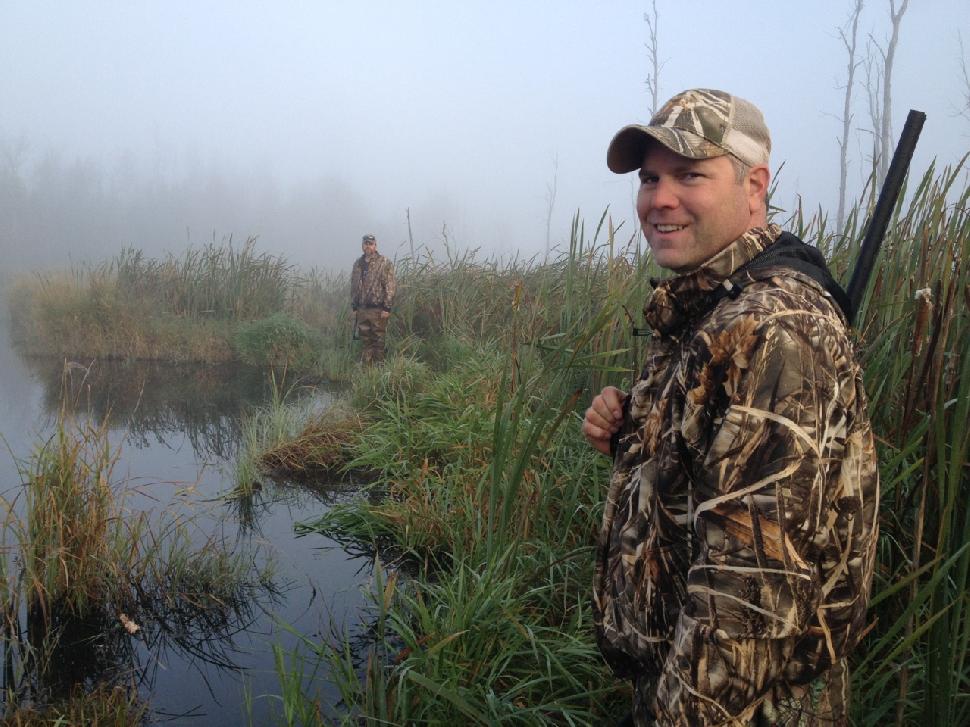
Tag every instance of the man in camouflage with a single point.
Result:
(372, 287)
(738, 539)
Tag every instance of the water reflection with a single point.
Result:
(49, 651)
(182, 424)
(248, 508)
(56, 651)
(161, 403)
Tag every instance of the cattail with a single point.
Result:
(924, 301)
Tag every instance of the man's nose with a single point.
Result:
(663, 195)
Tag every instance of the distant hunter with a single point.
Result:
(372, 288)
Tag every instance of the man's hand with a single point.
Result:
(385, 314)
(603, 418)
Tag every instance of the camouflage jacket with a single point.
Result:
(738, 540)
(372, 283)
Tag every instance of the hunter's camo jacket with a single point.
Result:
(372, 283)
(738, 539)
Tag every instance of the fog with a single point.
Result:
(164, 124)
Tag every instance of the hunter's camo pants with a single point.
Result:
(371, 326)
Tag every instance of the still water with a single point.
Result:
(177, 430)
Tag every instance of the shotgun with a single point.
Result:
(884, 210)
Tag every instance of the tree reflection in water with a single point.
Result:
(155, 402)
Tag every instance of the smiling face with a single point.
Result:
(691, 209)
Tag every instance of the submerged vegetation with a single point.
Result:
(82, 576)
(101, 707)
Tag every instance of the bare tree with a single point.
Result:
(849, 41)
(13, 154)
(874, 71)
(896, 17)
(407, 213)
(551, 189)
(653, 77)
(964, 109)
(884, 130)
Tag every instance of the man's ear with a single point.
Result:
(757, 187)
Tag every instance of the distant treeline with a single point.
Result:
(56, 210)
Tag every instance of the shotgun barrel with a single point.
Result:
(884, 209)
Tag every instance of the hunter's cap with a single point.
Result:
(698, 124)
(368, 238)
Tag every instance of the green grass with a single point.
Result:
(279, 341)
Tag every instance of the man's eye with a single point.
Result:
(648, 179)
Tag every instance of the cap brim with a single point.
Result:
(630, 144)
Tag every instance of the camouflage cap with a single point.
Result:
(699, 124)
(368, 238)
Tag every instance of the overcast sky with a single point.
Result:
(346, 114)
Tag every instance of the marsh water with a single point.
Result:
(176, 430)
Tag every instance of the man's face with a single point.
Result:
(692, 209)
(369, 247)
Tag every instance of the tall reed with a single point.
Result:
(176, 308)
(69, 510)
(216, 281)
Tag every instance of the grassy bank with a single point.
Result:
(489, 491)
(213, 304)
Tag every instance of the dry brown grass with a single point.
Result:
(322, 447)
(102, 707)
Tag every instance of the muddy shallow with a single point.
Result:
(178, 429)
